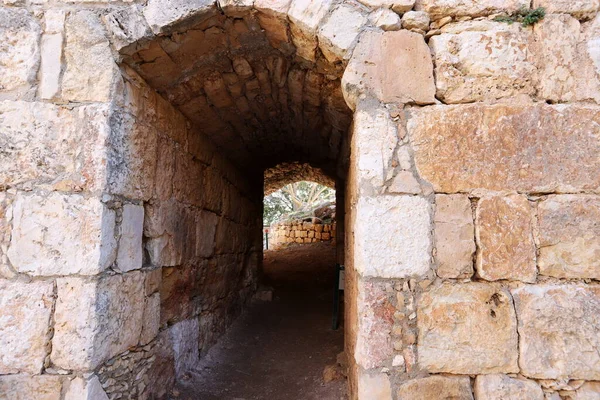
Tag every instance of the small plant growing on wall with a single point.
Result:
(525, 16)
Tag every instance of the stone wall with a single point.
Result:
(285, 233)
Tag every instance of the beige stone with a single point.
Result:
(588, 391)
(130, 253)
(394, 232)
(454, 236)
(25, 311)
(399, 6)
(374, 386)
(499, 386)
(61, 234)
(236, 8)
(19, 53)
(306, 16)
(96, 319)
(127, 26)
(482, 60)
(165, 16)
(548, 314)
(569, 236)
(51, 54)
(85, 389)
(436, 387)
(505, 239)
(90, 71)
(25, 387)
(151, 319)
(405, 182)
(537, 148)
(273, 7)
(416, 20)
(377, 61)
(467, 329)
(6, 200)
(338, 34)
(385, 19)
(473, 8)
(580, 9)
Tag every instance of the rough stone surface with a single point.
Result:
(85, 389)
(481, 60)
(395, 236)
(96, 319)
(537, 148)
(467, 329)
(19, 53)
(184, 336)
(164, 16)
(569, 236)
(436, 387)
(588, 391)
(548, 315)
(338, 34)
(505, 239)
(61, 234)
(130, 253)
(580, 9)
(454, 236)
(385, 19)
(24, 387)
(305, 16)
(499, 386)
(151, 319)
(25, 310)
(474, 8)
(374, 386)
(416, 20)
(126, 27)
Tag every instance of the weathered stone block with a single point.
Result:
(273, 7)
(482, 60)
(184, 337)
(558, 331)
(454, 236)
(19, 53)
(339, 33)
(588, 391)
(527, 148)
(467, 329)
(6, 200)
(385, 19)
(305, 16)
(96, 319)
(165, 16)
(416, 20)
(580, 9)
(61, 234)
(505, 239)
(436, 387)
(374, 386)
(394, 232)
(475, 8)
(206, 227)
(499, 386)
(127, 26)
(569, 236)
(130, 253)
(25, 311)
(24, 387)
(399, 6)
(151, 319)
(85, 389)
(379, 58)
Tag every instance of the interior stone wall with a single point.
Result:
(298, 231)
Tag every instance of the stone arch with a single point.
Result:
(286, 173)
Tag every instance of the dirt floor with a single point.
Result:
(278, 350)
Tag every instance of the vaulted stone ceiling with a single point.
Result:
(286, 173)
(239, 80)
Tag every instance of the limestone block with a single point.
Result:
(85, 389)
(165, 16)
(61, 234)
(236, 8)
(206, 223)
(306, 16)
(499, 386)
(273, 7)
(482, 60)
(184, 337)
(6, 201)
(580, 9)
(405, 182)
(338, 34)
(415, 20)
(127, 26)
(374, 386)
(276, 29)
(180, 295)
(151, 319)
(379, 58)
(548, 314)
(436, 387)
(474, 8)
(51, 54)
(90, 70)
(526, 148)
(454, 236)
(130, 253)
(588, 391)
(587, 68)
(399, 6)
(385, 19)
(569, 236)
(25, 311)
(96, 319)
(19, 53)
(467, 329)
(59, 146)
(25, 387)
(505, 239)
(375, 316)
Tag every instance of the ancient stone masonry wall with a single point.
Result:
(298, 231)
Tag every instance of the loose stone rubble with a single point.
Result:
(137, 140)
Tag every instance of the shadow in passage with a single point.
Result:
(278, 349)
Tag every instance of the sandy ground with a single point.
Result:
(277, 350)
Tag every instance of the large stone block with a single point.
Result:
(90, 70)
(374, 386)
(306, 16)
(25, 311)
(393, 236)
(505, 239)
(558, 331)
(206, 227)
(6, 201)
(499, 386)
(61, 234)
(130, 253)
(467, 329)
(399, 6)
(24, 387)
(474, 8)
(569, 236)
(127, 26)
(19, 53)
(580, 9)
(184, 338)
(527, 148)
(454, 236)
(482, 60)
(61, 147)
(377, 61)
(339, 33)
(85, 389)
(436, 387)
(165, 16)
(96, 319)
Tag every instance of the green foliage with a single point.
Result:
(526, 16)
(296, 200)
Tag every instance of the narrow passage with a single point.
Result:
(278, 349)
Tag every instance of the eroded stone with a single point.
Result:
(436, 387)
(130, 254)
(338, 34)
(499, 386)
(165, 16)
(24, 387)
(580, 9)
(474, 8)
